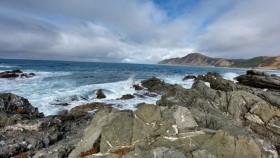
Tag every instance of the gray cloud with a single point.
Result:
(136, 30)
(249, 29)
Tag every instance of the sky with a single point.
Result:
(138, 31)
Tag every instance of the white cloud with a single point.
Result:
(136, 30)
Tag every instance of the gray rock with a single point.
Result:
(127, 96)
(258, 79)
(118, 132)
(13, 104)
(201, 154)
(189, 77)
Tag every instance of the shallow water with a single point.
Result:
(63, 81)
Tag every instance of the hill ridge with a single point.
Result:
(197, 59)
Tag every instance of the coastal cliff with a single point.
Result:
(197, 59)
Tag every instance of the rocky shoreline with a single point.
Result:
(227, 119)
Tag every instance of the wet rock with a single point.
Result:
(74, 98)
(25, 75)
(15, 73)
(189, 77)
(31, 74)
(127, 96)
(100, 94)
(258, 79)
(137, 87)
(10, 74)
(83, 110)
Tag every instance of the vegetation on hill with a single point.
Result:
(254, 62)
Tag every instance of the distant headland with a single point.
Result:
(197, 59)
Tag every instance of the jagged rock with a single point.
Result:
(12, 104)
(100, 94)
(126, 129)
(137, 87)
(189, 77)
(160, 87)
(27, 132)
(15, 73)
(83, 110)
(10, 74)
(127, 96)
(25, 75)
(258, 79)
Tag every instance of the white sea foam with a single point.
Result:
(47, 94)
(177, 79)
(6, 66)
(230, 76)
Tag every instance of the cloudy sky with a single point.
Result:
(141, 31)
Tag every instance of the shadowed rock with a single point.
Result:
(258, 79)
(100, 94)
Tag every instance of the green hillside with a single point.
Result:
(254, 62)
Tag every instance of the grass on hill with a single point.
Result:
(254, 62)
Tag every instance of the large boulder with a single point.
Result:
(14, 106)
(258, 79)
(153, 131)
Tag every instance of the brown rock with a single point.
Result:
(100, 94)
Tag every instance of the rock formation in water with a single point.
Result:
(15, 74)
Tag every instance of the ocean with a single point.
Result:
(76, 83)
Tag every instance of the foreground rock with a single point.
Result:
(15, 73)
(154, 131)
(14, 108)
(236, 109)
(223, 120)
(24, 131)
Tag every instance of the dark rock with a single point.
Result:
(30, 136)
(258, 79)
(13, 104)
(31, 74)
(61, 103)
(137, 87)
(213, 74)
(15, 73)
(25, 75)
(100, 94)
(127, 96)
(8, 74)
(189, 77)
(160, 87)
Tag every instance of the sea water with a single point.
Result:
(76, 83)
